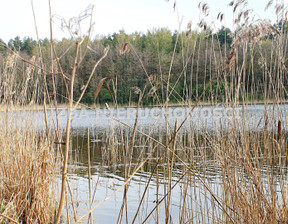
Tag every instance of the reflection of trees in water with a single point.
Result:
(229, 162)
(204, 151)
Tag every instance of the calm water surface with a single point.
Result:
(108, 169)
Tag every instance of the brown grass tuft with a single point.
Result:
(26, 175)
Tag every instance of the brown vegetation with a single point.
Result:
(252, 163)
(27, 172)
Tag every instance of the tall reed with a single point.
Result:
(27, 176)
(245, 155)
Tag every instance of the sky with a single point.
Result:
(109, 16)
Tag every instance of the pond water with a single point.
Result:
(111, 134)
(199, 118)
(156, 118)
(108, 175)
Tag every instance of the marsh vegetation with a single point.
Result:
(225, 162)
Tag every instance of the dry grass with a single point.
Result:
(26, 177)
(253, 171)
(252, 165)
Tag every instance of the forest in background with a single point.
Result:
(246, 152)
(165, 65)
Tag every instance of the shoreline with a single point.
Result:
(38, 107)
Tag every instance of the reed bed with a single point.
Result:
(219, 172)
(27, 174)
(211, 176)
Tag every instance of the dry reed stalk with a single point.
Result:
(89, 175)
(245, 197)
(129, 155)
(26, 173)
(78, 59)
(8, 219)
(124, 184)
(170, 163)
(72, 203)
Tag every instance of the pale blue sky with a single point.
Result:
(16, 17)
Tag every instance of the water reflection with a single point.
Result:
(206, 143)
(156, 118)
(108, 166)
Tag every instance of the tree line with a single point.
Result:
(163, 65)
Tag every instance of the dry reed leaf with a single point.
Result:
(274, 29)
(231, 60)
(108, 87)
(125, 48)
(99, 87)
(152, 91)
(136, 90)
(108, 83)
